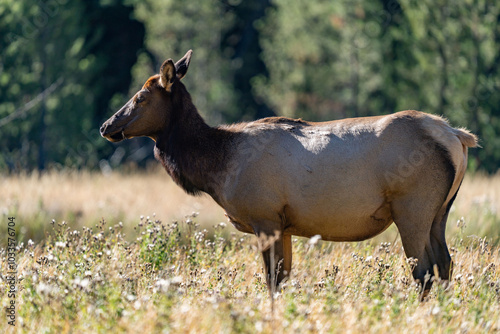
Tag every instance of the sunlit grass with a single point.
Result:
(179, 277)
(127, 274)
(83, 198)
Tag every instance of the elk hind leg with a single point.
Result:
(438, 243)
(414, 226)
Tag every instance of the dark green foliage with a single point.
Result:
(83, 51)
(344, 59)
(241, 43)
(317, 60)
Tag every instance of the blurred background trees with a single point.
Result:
(66, 66)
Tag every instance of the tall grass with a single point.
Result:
(84, 198)
(126, 274)
(180, 278)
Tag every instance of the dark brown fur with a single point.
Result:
(192, 152)
(281, 120)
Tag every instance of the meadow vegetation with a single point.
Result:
(96, 265)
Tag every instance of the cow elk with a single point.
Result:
(346, 180)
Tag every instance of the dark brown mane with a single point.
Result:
(281, 120)
(192, 152)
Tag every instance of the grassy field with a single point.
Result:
(94, 265)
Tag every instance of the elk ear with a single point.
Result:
(182, 65)
(167, 74)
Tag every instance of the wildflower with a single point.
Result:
(314, 240)
(177, 280)
(82, 283)
(259, 326)
(60, 244)
(44, 289)
(321, 283)
(162, 285)
(185, 308)
(436, 310)
(412, 261)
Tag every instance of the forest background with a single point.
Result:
(66, 66)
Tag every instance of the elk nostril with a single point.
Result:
(103, 128)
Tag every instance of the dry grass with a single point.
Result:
(85, 197)
(180, 278)
(174, 278)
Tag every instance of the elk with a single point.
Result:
(345, 180)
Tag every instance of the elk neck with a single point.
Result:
(194, 154)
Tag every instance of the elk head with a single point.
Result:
(149, 111)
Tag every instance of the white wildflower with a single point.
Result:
(258, 326)
(177, 280)
(314, 240)
(82, 283)
(162, 285)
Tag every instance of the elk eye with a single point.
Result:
(140, 98)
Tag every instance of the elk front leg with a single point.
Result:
(277, 255)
